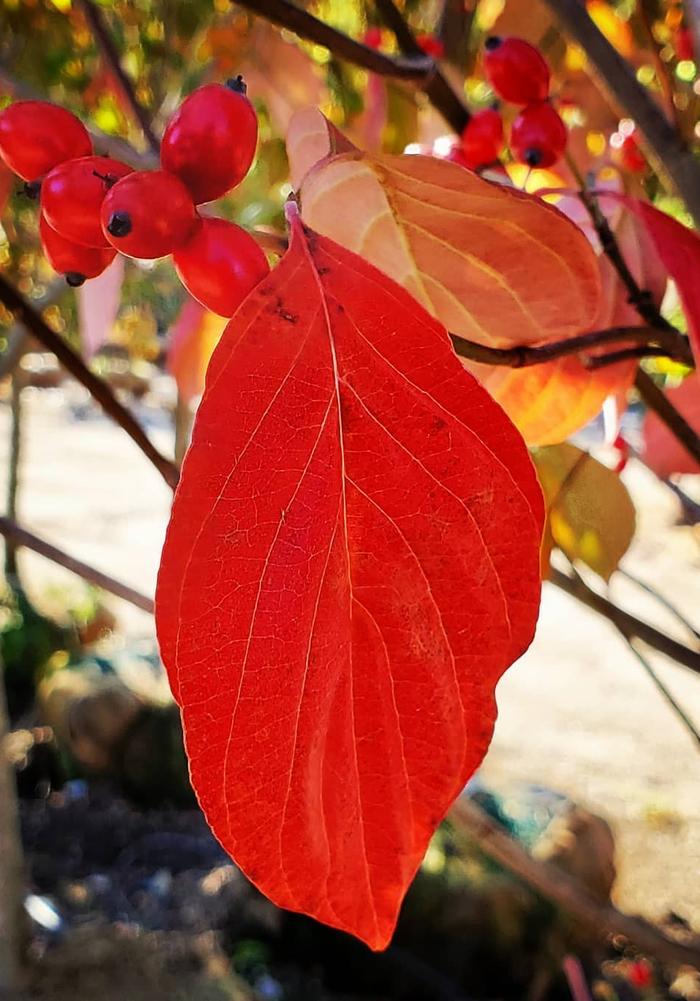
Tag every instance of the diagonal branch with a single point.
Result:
(438, 89)
(629, 624)
(565, 891)
(420, 69)
(654, 341)
(98, 389)
(672, 156)
(14, 533)
(98, 26)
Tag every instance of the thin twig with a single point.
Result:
(98, 26)
(663, 690)
(98, 389)
(630, 624)
(421, 70)
(669, 154)
(13, 472)
(657, 401)
(657, 341)
(661, 600)
(438, 89)
(565, 891)
(21, 537)
(660, 67)
(625, 354)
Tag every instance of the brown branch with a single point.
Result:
(668, 342)
(668, 151)
(565, 891)
(21, 537)
(98, 26)
(98, 389)
(660, 67)
(438, 90)
(420, 69)
(657, 401)
(664, 692)
(625, 354)
(627, 623)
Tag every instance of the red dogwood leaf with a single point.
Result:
(679, 250)
(351, 564)
(661, 450)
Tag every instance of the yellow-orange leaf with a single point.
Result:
(493, 264)
(589, 512)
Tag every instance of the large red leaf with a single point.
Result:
(661, 450)
(351, 564)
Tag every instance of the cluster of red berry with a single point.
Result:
(519, 74)
(93, 206)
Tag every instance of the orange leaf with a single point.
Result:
(493, 264)
(193, 338)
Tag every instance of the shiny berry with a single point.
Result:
(482, 138)
(641, 974)
(538, 135)
(630, 155)
(36, 136)
(683, 44)
(210, 140)
(516, 70)
(431, 45)
(373, 38)
(72, 194)
(220, 264)
(148, 214)
(73, 260)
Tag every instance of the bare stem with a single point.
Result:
(98, 26)
(437, 89)
(98, 389)
(565, 891)
(629, 624)
(14, 533)
(419, 69)
(677, 709)
(655, 341)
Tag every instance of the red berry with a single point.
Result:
(640, 974)
(431, 45)
(220, 264)
(621, 446)
(482, 138)
(538, 135)
(631, 157)
(72, 259)
(210, 140)
(373, 38)
(683, 44)
(516, 70)
(72, 193)
(148, 214)
(36, 136)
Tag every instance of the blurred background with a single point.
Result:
(125, 892)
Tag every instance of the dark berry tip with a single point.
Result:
(492, 42)
(237, 84)
(533, 157)
(32, 189)
(75, 279)
(119, 224)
